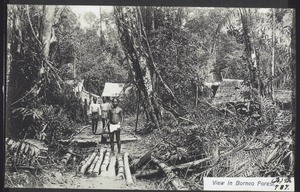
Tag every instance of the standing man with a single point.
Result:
(105, 107)
(115, 120)
(95, 111)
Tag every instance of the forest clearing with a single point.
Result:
(189, 92)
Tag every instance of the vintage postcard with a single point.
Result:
(150, 97)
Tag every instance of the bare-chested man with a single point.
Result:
(115, 120)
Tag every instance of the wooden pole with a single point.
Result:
(99, 162)
(111, 172)
(120, 168)
(91, 169)
(127, 169)
(87, 163)
(105, 164)
(137, 113)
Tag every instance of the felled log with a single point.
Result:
(91, 168)
(88, 163)
(120, 168)
(197, 162)
(175, 181)
(127, 169)
(66, 158)
(147, 173)
(83, 162)
(105, 164)
(96, 170)
(111, 171)
(143, 160)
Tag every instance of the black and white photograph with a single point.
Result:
(150, 97)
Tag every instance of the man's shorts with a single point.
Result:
(114, 127)
(95, 116)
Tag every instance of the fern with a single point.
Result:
(25, 149)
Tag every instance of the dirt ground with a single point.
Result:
(71, 181)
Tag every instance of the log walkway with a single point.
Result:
(97, 160)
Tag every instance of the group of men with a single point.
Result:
(112, 117)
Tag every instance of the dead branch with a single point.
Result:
(175, 181)
(197, 162)
(31, 27)
(190, 121)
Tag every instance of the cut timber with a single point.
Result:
(111, 171)
(105, 164)
(127, 169)
(175, 181)
(91, 169)
(88, 163)
(120, 168)
(147, 173)
(85, 160)
(143, 160)
(99, 162)
(67, 157)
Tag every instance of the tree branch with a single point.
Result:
(31, 27)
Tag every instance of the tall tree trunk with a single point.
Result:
(48, 21)
(13, 91)
(131, 35)
(251, 52)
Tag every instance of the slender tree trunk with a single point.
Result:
(197, 95)
(100, 24)
(273, 53)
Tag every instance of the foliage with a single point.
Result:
(59, 126)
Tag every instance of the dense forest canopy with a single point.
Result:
(189, 46)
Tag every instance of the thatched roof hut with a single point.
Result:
(229, 91)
